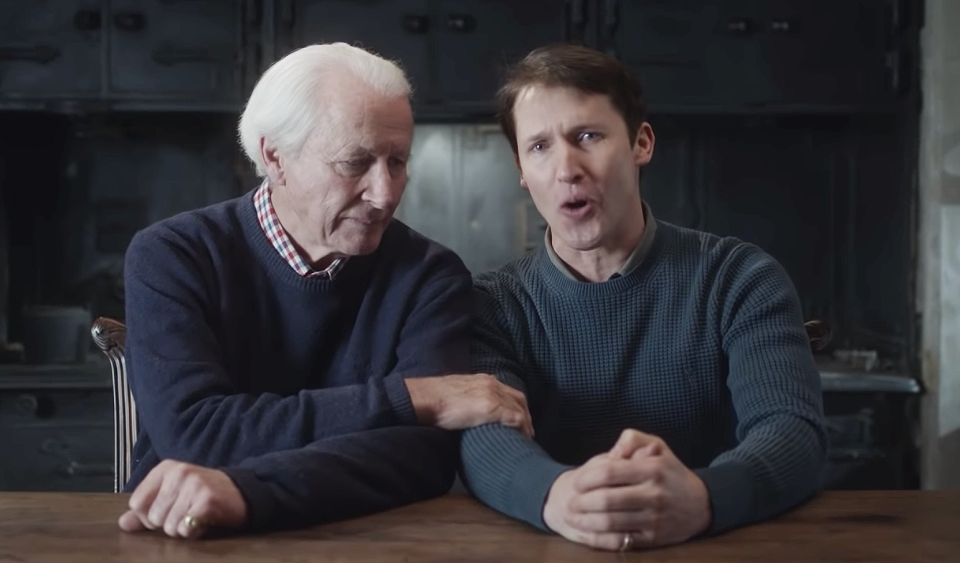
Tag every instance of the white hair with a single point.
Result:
(282, 107)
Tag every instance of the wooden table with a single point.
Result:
(873, 526)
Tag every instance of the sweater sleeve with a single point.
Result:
(775, 390)
(190, 407)
(346, 476)
(499, 465)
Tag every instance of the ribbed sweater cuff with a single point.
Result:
(730, 487)
(399, 398)
(263, 509)
(530, 486)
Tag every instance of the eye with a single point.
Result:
(538, 147)
(353, 167)
(589, 136)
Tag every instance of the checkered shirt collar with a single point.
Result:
(270, 223)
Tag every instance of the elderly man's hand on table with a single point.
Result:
(637, 495)
(184, 500)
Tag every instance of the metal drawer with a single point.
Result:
(57, 440)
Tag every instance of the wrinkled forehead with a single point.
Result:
(367, 121)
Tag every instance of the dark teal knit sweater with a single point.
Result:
(703, 345)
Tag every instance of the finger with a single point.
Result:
(630, 441)
(201, 514)
(608, 541)
(527, 426)
(650, 449)
(517, 401)
(141, 501)
(513, 417)
(619, 472)
(645, 496)
(525, 421)
(510, 410)
(527, 417)
(165, 498)
(179, 509)
(603, 522)
(130, 522)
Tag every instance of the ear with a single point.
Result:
(272, 163)
(523, 183)
(643, 146)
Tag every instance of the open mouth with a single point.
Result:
(575, 204)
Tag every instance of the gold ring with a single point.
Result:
(191, 521)
(627, 544)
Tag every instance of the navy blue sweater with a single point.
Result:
(702, 345)
(294, 386)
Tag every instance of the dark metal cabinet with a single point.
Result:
(674, 47)
(175, 49)
(393, 29)
(453, 51)
(871, 438)
(50, 48)
(56, 439)
(747, 54)
(476, 39)
(157, 51)
(825, 52)
(786, 207)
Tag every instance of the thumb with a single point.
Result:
(632, 440)
(130, 522)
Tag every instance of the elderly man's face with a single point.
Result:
(344, 186)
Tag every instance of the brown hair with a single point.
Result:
(572, 66)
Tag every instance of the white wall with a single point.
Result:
(939, 249)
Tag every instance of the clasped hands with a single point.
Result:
(636, 495)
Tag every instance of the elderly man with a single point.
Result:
(296, 350)
(669, 377)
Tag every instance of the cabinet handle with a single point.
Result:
(41, 54)
(28, 404)
(72, 467)
(898, 20)
(611, 20)
(784, 26)
(741, 26)
(87, 20)
(574, 21)
(130, 21)
(461, 23)
(898, 65)
(416, 24)
(77, 469)
(287, 14)
(611, 16)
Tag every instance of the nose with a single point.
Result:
(569, 167)
(383, 187)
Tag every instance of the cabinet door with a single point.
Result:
(175, 49)
(776, 187)
(685, 52)
(63, 440)
(827, 52)
(476, 39)
(394, 29)
(50, 48)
